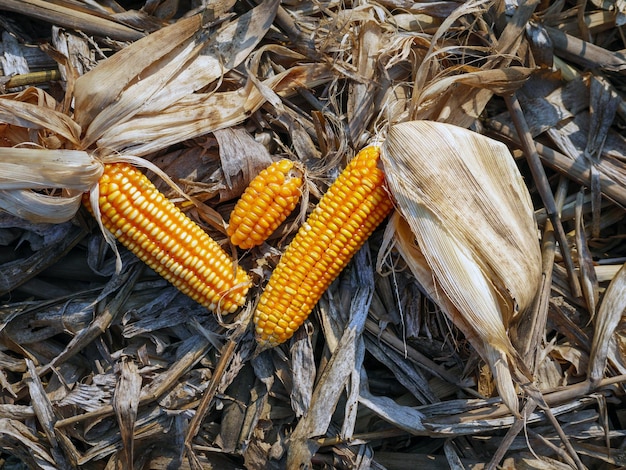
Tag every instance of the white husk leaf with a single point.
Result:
(39, 208)
(472, 219)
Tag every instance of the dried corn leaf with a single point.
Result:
(588, 279)
(339, 373)
(242, 159)
(161, 69)
(202, 113)
(66, 14)
(361, 95)
(472, 218)
(100, 87)
(463, 110)
(125, 404)
(19, 440)
(39, 115)
(610, 312)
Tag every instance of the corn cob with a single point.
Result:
(344, 218)
(155, 230)
(265, 204)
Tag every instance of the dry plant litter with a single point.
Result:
(481, 326)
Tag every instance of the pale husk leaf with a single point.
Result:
(23, 170)
(39, 208)
(470, 187)
(472, 220)
(400, 234)
(28, 168)
(610, 312)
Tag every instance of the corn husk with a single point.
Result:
(24, 170)
(152, 74)
(472, 220)
(610, 313)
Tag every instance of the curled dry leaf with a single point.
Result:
(74, 171)
(472, 219)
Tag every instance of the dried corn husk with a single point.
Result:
(610, 313)
(23, 170)
(472, 220)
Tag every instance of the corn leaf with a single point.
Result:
(156, 72)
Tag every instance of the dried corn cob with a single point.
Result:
(344, 218)
(153, 228)
(265, 204)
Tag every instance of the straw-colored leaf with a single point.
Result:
(36, 116)
(202, 113)
(611, 311)
(23, 170)
(472, 219)
(505, 80)
(163, 68)
(100, 87)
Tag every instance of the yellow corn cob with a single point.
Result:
(153, 228)
(344, 218)
(265, 204)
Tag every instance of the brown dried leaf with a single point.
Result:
(456, 99)
(361, 94)
(588, 278)
(185, 59)
(201, 113)
(340, 373)
(40, 115)
(18, 439)
(98, 89)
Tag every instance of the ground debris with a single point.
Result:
(102, 367)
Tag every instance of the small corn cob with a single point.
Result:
(265, 204)
(344, 218)
(164, 238)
